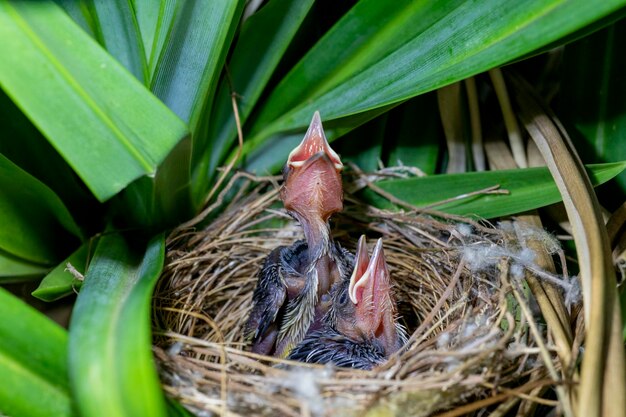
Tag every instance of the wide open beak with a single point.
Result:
(312, 189)
(370, 291)
(314, 142)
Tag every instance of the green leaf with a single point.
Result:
(413, 134)
(111, 367)
(103, 122)
(261, 44)
(33, 352)
(529, 189)
(13, 269)
(35, 225)
(422, 46)
(595, 110)
(79, 12)
(370, 138)
(60, 282)
(117, 31)
(189, 62)
(149, 14)
(158, 28)
(24, 145)
(161, 201)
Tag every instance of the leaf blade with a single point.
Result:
(263, 39)
(36, 225)
(188, 64)
(90, 109)
(464, 41)
(530, 188)
(32, 362)
(111, 368)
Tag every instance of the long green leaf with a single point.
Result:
(455, 40)
(190, 61)
(13, 269)
(367, 33)
(596, 110)
(103, 122)
(528, 189)
(117, 30)
(260, 46)
(33, 352)
(25, 146)
(35, 225)
(111, 368)
(148, 15)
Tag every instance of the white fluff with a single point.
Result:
(304, 384)
(465, 229)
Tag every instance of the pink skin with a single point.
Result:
(373, 311)
(312, 192)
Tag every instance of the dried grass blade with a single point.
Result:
(592, 245)
(478, 152)
(499, 155)
(616, 223)
(449, 99)
(513, 130)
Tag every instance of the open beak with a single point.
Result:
(314, 142)
(312, 189)
(370, 291)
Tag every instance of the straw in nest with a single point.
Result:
(476, 341)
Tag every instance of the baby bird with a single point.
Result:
(360, 329)
(294, 283)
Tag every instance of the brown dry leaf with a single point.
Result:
(601, 386)
(449, 99)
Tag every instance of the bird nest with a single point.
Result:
(477, 338)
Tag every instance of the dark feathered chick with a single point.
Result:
(360, 329)
(292, 292)
(282, 284)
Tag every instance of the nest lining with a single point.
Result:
(461, 302)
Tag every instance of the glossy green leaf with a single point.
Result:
(528, 189)
(103, 122)
(25, 146)
(160, 32)
(595, 110)
(79, 12)
(59, 282)
(261, 44)
(35, 225)
(117, 30)
(33, 352)
(149, 15)
(361, 38)
(433, 44)
(190, 61)
(111, 367)
(14, 269)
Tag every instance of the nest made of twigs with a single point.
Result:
(476, 341)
